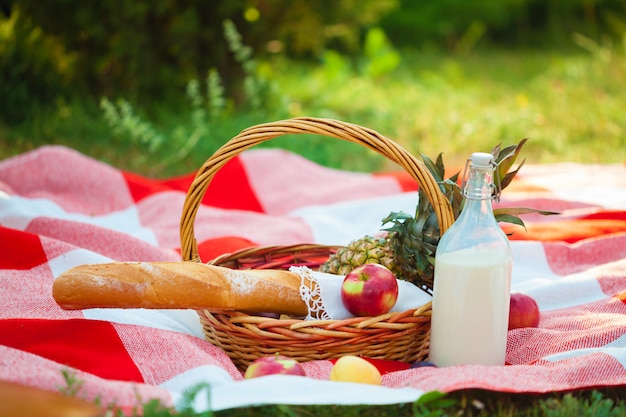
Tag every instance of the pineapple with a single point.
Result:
(368, 249)
(410, 244)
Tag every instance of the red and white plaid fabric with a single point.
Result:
(59, 208)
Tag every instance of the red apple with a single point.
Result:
(524, 311)
(273, 365)
(369, 290)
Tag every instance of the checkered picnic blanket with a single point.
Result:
(59, 208)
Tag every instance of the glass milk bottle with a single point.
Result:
(472, 282)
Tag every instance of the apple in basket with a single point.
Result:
(273, 365)
(524, 311)
(369, 290)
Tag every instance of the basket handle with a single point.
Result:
(305, 125)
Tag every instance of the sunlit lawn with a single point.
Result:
(570, 106)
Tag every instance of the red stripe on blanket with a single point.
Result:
(229, 189)
(141, 187)
(212, 248)
(20, 250)
(613, 215)
(88, 345)
(407, 182)
(569, 231)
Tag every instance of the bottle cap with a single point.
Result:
(482, 159)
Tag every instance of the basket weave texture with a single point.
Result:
(402, 336)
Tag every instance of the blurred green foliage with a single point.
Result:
(33, 67)
(148, 51)
(130, 47)
(207, 110)
(527, 23)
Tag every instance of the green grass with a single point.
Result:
(468, 403)
(478, 403)
(569, 104)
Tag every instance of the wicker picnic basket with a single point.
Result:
(402, 336)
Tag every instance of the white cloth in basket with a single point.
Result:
(322, 293)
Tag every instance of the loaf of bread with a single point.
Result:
(179, 285)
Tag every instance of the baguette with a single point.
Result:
(179, 285)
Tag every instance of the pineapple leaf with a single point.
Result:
(508, 218)
(421, 262)
(514, 211)
(502, 154)
(454, 178)
(510, 214)
(511, 151)
(506, 180)
(436, 169)
(495, 151)
(505, 158)
(440, 166)
(396, 215)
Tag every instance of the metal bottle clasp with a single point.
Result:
(496, 186)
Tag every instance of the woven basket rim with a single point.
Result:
(332, 128)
